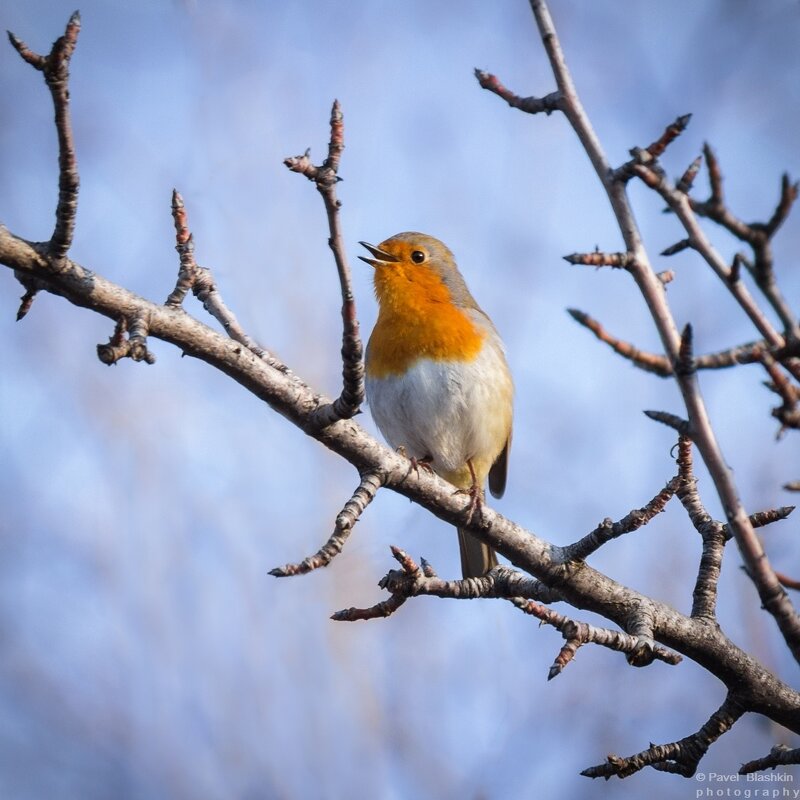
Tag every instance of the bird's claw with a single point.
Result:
(475, 501)
(417, 463)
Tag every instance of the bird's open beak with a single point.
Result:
(381, 256)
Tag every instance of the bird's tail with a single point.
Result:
(477, 558)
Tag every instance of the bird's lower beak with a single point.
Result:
(381, 256)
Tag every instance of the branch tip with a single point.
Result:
(686, 181)
(530, 105)
(599, 259)
(671, 420)
(678, 247)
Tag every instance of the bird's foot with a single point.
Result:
(417, 463)
(475, 495)
(475, 501)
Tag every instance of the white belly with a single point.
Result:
(449, 411)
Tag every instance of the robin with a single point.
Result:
(437, 381)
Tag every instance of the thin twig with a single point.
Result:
(576, 634)
(201, 282)
(530, 105)
(345, 520)
(757, 235)
(779, 756)
(326, 176)
(681, 757)
(184, 244)
(608, 530)
(658, 364)
(788, 413)
(55, 68)
(598, 259)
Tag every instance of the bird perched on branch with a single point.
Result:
(437, 380)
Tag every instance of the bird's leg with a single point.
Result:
(474, 492)
(425, 462)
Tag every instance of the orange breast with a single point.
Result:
(417, 319)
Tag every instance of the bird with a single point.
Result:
(437, 379)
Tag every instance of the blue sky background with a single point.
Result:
(145, 651)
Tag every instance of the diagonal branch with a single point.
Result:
(659, 364)
(608, 530)
(530, 105)
(681, 757)
(680, 204)
(788, 413)
(772, 594)
(757, 235)
(201, 282)
(345, 520)
(576, 634)
(578, 584)
(779, 756)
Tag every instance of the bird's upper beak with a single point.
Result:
(381, 256)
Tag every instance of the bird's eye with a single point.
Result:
(418, 256)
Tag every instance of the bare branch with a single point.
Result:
(348, 404)
(788, 582)
(608, 530)
(187, 275)
(383, 609)
(671, 420)
(576, 634)
(713, 534)
(686, 181)
(683, 208)
(409, 568)
(55, 68)
(649, 155)
(658, 364)
(788, 413)
(204, 287)
(650, 362)
(598, 259)
(345, 520)
(761, 519)
(757, 235)
(779, 756)
(413, 581)
(530, 105)
(133, 346)
(676, 248)
(32, 287)
(671, 133)
(681, 757)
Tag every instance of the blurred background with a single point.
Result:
(144, 650)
